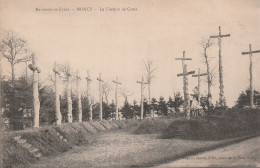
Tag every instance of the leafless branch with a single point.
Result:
(106, 89)
(206, 43)
(125, 93)
(65, 70)
(149, 70)
(51, 79)
(12, 46)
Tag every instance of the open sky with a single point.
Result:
(115, 43)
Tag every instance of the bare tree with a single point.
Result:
(125, 93)
(13, 48)
(106, 89)
(51, 79)
(149, 76)
(212, 76)
(210, 72)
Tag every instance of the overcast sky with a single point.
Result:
(115, 43)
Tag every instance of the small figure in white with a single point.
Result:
(195, 107)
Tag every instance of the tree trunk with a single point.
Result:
(90, 111)
(89, 101)
(79, 102)
(13, 76)
(149, 97)
(57, 100)
(69, 100)
(142, 102)
(208, 77)
(26, 70)
(116, 103)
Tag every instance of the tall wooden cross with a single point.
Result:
(88, 95)
(186, 90)
(57, 96)
(199, 75)
(117, 83)
(250, 52)
(100, 96)
(221, 87)
(142, 96)
(183, 60)
(36, 102)
(79, 97)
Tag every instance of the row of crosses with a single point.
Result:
(36, 103)
(90, 101)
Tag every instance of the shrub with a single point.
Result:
(231, 123)
(153, 125)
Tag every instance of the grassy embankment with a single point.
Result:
(24, 147)
(224, 124)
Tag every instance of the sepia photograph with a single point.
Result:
(132, 83)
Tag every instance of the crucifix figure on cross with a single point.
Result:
(117, 83)
(198, 76)
(36, 102)
(88, 95)
(142, 96)
(186, 90)
(100, 96)
(250, 52)
(221, 87)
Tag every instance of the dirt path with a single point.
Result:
(243, 154)
(123, 149)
